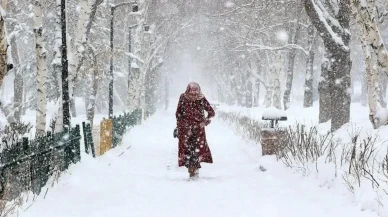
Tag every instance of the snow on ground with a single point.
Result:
(141, 178)
(329, 175)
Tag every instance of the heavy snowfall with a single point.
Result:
(104, 105)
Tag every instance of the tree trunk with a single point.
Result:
(257, 92)
(3, 50)
(293, 39)
(248, 93)
(245, 74)
(4, 4)
(134, 90)
(367, 19)
(59, 121)
(308, 86)
(144, 69)
(324, 91)
(383, 91)
(18, 82)
(276, 81)
(373, 88)
(129, 62)
(91, 105)
(374, 51)
(269, 89)
(290, 76)
(336, 37)
(364, 89)
(78, 50)
(65, 67)
(341, 100)
(254, 80)
(41, 70)
(57, 67)
(88, 25)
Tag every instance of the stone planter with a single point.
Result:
(271, 140)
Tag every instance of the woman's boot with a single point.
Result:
(191, 172)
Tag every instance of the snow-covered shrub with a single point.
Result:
(303, 146)
(243, 125)
(13, 133)
(357, 163)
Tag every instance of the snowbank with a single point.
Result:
(363, 180)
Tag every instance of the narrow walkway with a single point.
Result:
(141, 178)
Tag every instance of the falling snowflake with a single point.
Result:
(229, 4)
(282, 35)
(338, 81)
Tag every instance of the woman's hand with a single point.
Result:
(205, 123)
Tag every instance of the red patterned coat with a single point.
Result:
(190, 115)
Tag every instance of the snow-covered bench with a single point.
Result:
(271, 137)
(274, 115)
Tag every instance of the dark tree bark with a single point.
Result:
(111, 80)
(336, 40)
(65, 69)
(308, 88)
(324, 92)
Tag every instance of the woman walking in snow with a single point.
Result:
(191, 122)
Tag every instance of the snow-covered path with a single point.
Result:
(141, 178)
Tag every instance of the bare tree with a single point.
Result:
(333, 27)
(3, 49)
(41, 69)
(376, 56)
(292, 39)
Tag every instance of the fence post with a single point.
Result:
(90, 139)
(25, 145)
(45, 161)
(85, 138)
(76, 144)
(106, 135)
(67, 147)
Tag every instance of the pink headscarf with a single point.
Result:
(193, 91)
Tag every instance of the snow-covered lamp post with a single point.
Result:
(135, 8)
